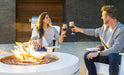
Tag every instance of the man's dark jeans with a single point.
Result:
(112, 59)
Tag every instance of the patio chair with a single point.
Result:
(102, 68)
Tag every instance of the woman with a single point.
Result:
(43, 34)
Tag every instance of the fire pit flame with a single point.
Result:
(27, 53)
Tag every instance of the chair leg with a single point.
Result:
(54, 42)
(53, 50)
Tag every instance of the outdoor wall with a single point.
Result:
(119, 4)
(86, 14)
(7, 21)
(28, 8)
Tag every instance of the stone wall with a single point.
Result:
(7, 21)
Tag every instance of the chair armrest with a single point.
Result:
(121, 53)
(52, 47)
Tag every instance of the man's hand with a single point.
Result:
(101, 48)
(77, 29)
(92, 55)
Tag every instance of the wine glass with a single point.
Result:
(71, 25)
(64, 27)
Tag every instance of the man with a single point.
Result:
(111, 35)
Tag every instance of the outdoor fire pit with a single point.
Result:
(67, 64)
(26, 61)
(12, 60)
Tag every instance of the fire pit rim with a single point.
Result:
(61, 64)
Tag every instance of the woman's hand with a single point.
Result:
(63, 32)
(38, 44)
(62, 35)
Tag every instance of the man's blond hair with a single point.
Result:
(110, 11)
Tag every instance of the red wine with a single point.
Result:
(71, 26)
(64, 29)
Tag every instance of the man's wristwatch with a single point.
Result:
(98, 52)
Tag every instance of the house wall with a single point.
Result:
(7, 21)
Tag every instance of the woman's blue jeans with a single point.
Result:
(112, 59)
(41, 49)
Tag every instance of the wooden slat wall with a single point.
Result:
(25, 9)
(23, 32)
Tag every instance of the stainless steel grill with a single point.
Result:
(34, 20)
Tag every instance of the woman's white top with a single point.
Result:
(50, 34)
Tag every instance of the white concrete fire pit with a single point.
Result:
(66, 65)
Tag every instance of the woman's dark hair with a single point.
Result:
(40, 23)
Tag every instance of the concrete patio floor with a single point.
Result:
(76, 48)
